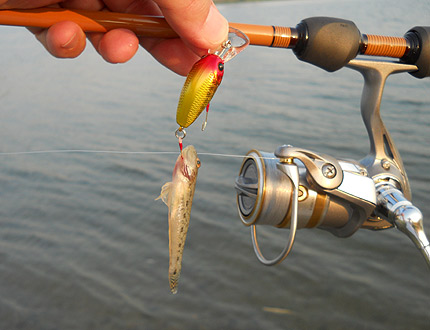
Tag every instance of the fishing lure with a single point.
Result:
(203, 80)
(199, 88)
(178, 196)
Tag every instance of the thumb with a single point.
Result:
(198, 22)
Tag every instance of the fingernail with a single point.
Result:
(215, 30)
(71, 43)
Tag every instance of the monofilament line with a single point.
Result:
(87, 151)
(118, 152)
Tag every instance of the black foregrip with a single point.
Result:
(422, 59)
(330, 43)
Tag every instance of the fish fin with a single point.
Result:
(165, 189)
(173, 281)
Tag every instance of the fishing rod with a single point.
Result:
(329, 43)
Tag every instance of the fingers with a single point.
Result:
(173, 54)
(115, 46)
(67, 40)
(64, 39)
(200, 26)
(198, 22)
(94, 5)
(22, 4)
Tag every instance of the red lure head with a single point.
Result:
(213, 63)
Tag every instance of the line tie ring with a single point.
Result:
(180, 133)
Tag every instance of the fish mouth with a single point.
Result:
(189, 154)
(188, 151)
(190, 162)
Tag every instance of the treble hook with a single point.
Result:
(206, 119)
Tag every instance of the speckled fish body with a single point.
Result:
(178, 196)
(199, 88)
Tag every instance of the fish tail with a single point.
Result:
(173, 281)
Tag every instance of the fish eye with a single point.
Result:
(198, 163)
(220, 66)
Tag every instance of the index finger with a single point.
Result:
(198, 22)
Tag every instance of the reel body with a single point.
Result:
(264, 196)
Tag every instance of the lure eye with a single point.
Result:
(221, 66)
(198, 163)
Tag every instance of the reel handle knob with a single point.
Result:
(403, 215)
(409, 220)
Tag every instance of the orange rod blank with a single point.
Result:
(261, 35)
(267, 35)
(144, 26)
(89, 21)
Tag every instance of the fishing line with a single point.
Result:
(88, 151)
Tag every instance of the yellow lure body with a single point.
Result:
(199, 88)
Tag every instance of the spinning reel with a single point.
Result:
(296, 188)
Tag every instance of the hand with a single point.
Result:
(197, 22)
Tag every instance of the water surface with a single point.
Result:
(83, 244)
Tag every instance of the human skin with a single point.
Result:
(198, 23)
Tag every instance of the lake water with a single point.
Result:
(83, 244)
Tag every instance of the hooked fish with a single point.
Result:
(178, 196)
(199, 88)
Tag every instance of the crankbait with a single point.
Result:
(203, 80)
(199, 88)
